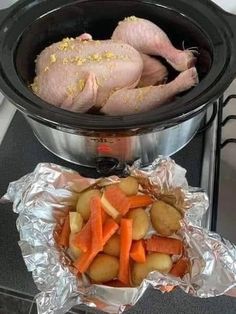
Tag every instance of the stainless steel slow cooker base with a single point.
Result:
(87, 150)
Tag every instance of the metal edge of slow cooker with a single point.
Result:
(148, 120)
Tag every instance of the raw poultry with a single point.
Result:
(119, 76)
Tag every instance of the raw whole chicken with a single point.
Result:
(117, 76)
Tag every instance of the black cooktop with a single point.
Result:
(20, 152)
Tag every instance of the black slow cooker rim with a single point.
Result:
(211, 87)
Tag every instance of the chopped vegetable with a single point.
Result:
(65, 233)
(83, 238)
(125, 245)
(76, 222)
(109, 209)
(117, 198)
(140, 223)
(96, 236)
(180, 267)
(129, 186)
(164, 245)
(109, 228)
(96, 224)
(137, 201)
(83, 203)
(137, 252)
(84, 261)
(112, 247)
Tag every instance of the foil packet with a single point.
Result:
(42, 198)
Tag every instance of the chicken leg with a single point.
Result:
(148, 38)
(130, 101)
(85, 99)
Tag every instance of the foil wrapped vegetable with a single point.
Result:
(42, 199)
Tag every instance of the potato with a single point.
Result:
(159, 261)
(165, 218)
(155, 261)
(140, 222)
(129, 186)
(76, 222)
(75, 251)
(104, 268)
(112, 246)
(138, 273)
(83, 203)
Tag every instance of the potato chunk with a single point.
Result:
(83, 202)
(129, 186)
(140, 223)
(155, 261)
(112, 246)
(104, 268)
(165, 218)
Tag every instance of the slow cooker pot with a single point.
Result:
(101, 141)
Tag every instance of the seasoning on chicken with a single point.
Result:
(148, 38)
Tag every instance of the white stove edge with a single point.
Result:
(7, 111)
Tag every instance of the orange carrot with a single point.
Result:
(117, 198)
(96, 224)
(180, 267)
(164, 245)
(109, 228)
(137, 252)
(125, 245)
(84, 261)
(65, 233)
(137, 201)
(96, 236)
(82, 239)
(104, 215)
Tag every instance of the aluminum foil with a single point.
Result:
(42, 199)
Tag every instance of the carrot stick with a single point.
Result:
(82, 239)
(117, 198)
(104, 215)
(180, 267)
(65, 233)
(84, 261)
(125, 245)
(137, 252)
(96, 224)
(96, 236)
(137, 201)
(109, 228)
(164, 245)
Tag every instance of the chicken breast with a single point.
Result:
(77, 74)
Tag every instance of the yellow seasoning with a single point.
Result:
(34, 86)
(81, 84)
(53, 58)
(46, 69)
